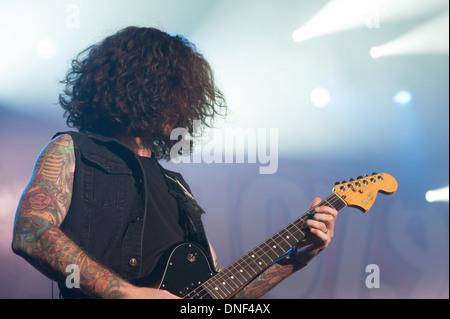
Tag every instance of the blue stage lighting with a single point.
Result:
(402, 97)
(320, 97)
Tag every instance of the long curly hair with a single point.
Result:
(131, 82)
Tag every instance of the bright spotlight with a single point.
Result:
(375, 52)
(334, 17)
(320, 97)
(343, 15)
(437, 195)
(431, 37)
(402, 97)
(46, 48)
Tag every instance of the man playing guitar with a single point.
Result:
(99, 199)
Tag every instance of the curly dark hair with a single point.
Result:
(131, 82)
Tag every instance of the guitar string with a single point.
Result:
(336, 199)
(242, 268)
(223, 277)
(216, 288)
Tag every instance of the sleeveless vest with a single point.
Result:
(101, 218)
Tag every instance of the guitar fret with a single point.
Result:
(199, 293)
(230, 279)
(222, 280)
(212, 292)
(223, 285)
(326, 202)
(339, 203)
(335, 202)
(297, 228)
(219, 289)
(274, 247)
(285, 243)
(237, 275)
(243, 269)
(256, 257)
(246, 259)
(293, 237)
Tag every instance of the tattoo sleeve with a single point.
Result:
(268, 279)
(42, 209)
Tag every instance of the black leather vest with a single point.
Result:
(101, 219)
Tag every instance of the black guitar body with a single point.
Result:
(186, 269)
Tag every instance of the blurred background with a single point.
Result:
(350, 87)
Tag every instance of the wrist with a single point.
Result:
(297, 258)
(291, 259)
(304, 254)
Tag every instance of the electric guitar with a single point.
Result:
(189, 275)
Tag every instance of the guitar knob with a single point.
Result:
(191, 257)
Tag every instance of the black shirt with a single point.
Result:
(162, 228)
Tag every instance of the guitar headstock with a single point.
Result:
(361, 193)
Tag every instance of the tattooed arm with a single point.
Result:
(38, 239)
(319, 237)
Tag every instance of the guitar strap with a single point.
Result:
(190, 211)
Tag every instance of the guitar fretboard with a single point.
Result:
(225, 283)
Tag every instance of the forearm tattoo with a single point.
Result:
(41, 211)
(266, 281)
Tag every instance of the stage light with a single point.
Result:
(437, 195)
(343, 15)
(334, 17)
(431, 37)
(320, 97)
(375, 52)
(402, 97)
(46, 48)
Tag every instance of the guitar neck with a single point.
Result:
(237, 275)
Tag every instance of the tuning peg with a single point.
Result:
(374, 173)
(337, 183)
(351, 180)
(343, 182)
(359, 177)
